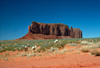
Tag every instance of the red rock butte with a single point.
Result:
(51, 31)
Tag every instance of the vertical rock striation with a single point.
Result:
(54, 29)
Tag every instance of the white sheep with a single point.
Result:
(56, 41)
(33, 48)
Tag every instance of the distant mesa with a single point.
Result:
(51, 31)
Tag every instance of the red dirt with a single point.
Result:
(67, 60)
(30, 36)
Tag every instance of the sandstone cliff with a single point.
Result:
(51, 31)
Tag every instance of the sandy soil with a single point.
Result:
(72, 59)
(30, 36)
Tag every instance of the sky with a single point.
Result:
(16, 15)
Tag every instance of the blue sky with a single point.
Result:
(16, 15)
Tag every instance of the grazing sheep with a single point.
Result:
(56, 41)
(34, 47)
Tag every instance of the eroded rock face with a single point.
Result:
(77, 33)
(54, 29)
(34, 28)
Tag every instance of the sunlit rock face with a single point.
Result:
(54, 29)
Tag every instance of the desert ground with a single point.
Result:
(80, 56)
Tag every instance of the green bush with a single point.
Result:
(41, 49)
(11, 45)
(73, 44)
(2, 50)
(9, 48)
(20, 49)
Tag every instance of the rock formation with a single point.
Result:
(55, 30)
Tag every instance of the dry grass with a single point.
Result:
(52, 50)
(98, 44)
(60, 52)
(93, 47)
(95, 52)
(85, 49)
(84, 42)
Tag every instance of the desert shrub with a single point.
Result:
(28, 45)
(60, 44)
(71, 50)
(15, 49)
(84, 42)
(38, 50)
(98, 44)
(3, 46)
(9, 48)
(39, 54)
(95, 52)
(11, 45)
(48, 47)
(71, 41)
(93, 47)
(60, 52)
(53, 49)
(35, 51)
(64, 50)
(31, 54)
(74, 41)
(91, 43)
(6, 59)
(6, 54)
(23, 54)
(2, 49)
(85, 49)
(41, 49)
(51, 45)
(20, 49)
(71, 44)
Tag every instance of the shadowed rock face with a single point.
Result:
(35, 27)
(54, 29)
